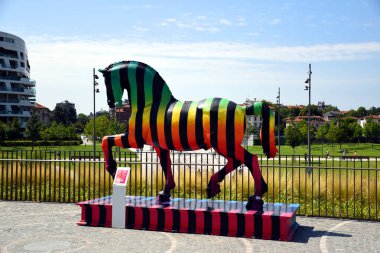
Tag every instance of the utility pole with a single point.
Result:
(308, 81)
(278, 125)
(95, 91)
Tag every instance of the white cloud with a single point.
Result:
(63, 68)
(276, 21)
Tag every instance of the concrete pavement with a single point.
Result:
(51, 227)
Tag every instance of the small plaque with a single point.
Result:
(121, 177)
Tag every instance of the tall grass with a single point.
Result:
(323, 191)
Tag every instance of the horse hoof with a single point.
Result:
(255, 203)
(111, 168)
(212, 189)
(163, 197)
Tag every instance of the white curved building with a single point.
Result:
(17, 90)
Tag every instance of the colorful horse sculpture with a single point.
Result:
(160, 120)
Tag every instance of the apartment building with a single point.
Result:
(17, 90)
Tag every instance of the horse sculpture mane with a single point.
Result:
(160, 120)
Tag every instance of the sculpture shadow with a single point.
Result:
(304, 233)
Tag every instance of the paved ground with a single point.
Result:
(45, 227)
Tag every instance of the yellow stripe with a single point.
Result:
(175, 125)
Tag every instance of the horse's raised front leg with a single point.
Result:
(213, 187)
(120, 140)
(164, 155)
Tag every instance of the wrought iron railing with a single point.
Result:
(333, 187)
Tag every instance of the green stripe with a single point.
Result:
(257, 108)
(133, 84)
(116, 87)
(148, 86)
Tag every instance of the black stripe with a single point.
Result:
(230, 129)
(258, 225)
(102, 215)
(146, 217)
(109, 91)
(240, 224)
(140, 72)
(275, 227)
(191, 221)
(130, 221)
(214, 111)
(199, 125)
(157, 96)
(183, 125)
(207, 222)
(161, 219)
(124, 140)
(176, 220)
(88, 214)
(124, 81)
(224, 223)
(168, 125)
(265, 129)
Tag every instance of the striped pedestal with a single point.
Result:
(199, 216)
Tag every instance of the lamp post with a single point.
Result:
(96, 90)
(278, 126)
(308, 87)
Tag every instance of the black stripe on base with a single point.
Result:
(240, 224)
(146, 218)
(224, 223)
(275, 227)
(161, 219)
(102, 215)
(207, 222)
(88, 214)
(176, 220)
(130, 221)
(258, 225)
(191, 221)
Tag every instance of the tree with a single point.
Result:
(102, 124)
(371, 131)
(81, 122)
(334, 134)
(361, 112)
(33, 129)
(2, 131)
(303, 130)
(314, 111)
(13, 130)
(292, 135)
(322, 133)
(64, 115)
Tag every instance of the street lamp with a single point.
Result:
(308, 87)
(96, 90)
(278, 126)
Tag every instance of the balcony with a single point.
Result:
(28, 81)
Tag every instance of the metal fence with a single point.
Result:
(332, 187)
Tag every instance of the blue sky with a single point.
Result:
(232, 49)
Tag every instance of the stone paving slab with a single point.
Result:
(51, 227)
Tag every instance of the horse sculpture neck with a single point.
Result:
(144, 85)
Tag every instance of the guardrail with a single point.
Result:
(330, 188)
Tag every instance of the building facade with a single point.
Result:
(17, 90)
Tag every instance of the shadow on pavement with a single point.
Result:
(304, 233)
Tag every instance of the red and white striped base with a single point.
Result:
(199, 216)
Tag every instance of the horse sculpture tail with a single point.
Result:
(267, 136)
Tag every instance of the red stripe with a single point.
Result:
(267, 225)
(215, 216)
(200, 221)
(153, 217)
(109, 216)
(95, 215)
(232, 222)
(286, 225)
(168, 211)
(184, 221)
(138, 218)
(82, 221)
(249, 230)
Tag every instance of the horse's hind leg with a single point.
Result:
(213, 187)
(166, 165)
(255, 202)
(108, 142)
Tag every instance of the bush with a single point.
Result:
(29, 143)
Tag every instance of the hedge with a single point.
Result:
(29, 143)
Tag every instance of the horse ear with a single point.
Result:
(102, 71)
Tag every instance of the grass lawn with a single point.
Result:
(362, 149)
